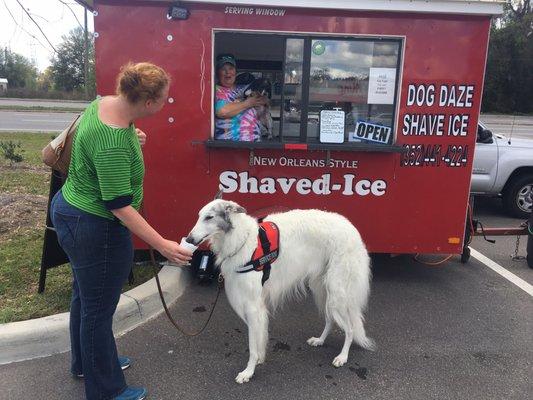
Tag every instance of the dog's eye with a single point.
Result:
(208, 217)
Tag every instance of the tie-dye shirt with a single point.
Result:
(243, 126)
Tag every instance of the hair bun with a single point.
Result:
(129, 75)
(141, 81)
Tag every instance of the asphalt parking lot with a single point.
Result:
(450, 332)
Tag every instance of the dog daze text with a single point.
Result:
(231, 181)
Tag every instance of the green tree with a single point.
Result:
(508, 77)
(516, 10)
(17, 69)
(45, 80)
(68, 64)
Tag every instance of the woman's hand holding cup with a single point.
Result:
(175, 253)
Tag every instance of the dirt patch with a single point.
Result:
(21, 212)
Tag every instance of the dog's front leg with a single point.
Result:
(253, 320)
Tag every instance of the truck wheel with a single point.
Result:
(517, 198)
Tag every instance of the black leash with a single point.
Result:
(162, 297)
(167, 312)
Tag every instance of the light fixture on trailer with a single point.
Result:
(176, 11)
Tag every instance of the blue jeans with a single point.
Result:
(100, 252)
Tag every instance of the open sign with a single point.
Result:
(372, 132)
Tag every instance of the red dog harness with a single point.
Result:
(266, 252)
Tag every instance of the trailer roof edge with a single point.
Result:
(89, 4)
(465, 7)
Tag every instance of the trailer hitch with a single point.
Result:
(476, 224)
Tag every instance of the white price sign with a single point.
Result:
(381, 82)
(331, 126)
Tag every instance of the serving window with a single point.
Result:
(322, 90)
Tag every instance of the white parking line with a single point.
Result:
(522, 284)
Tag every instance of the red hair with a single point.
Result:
(142, 81)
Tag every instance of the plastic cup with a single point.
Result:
(187, 245)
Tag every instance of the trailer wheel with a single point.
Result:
(465, 255)
(517, 198)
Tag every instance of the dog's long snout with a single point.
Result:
(194, 240)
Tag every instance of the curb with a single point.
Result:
(42, 337)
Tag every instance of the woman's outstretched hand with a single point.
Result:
(173, 252)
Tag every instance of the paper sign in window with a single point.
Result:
(381, 83)
(331, 126)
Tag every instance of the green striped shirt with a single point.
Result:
(107, 167)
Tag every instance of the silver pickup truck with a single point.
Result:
(504, 168)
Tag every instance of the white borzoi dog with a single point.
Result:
(317, 249)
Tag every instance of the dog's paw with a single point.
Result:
(243, 377)
(314, 341)
(339, 361)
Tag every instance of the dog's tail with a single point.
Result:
(347, 283)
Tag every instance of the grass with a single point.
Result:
(41, 108)
(30, 181)
(19, 276)
(20, 259)
(32, 145)
(29, 176)
(26, 184)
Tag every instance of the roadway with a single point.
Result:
(8, 102)
(32, 121)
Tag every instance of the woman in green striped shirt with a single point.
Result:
(93, 215)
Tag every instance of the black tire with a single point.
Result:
(530, 261)
(513, 198)
(529, 247)
(465, 255)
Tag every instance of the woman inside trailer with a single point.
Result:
(235, 117)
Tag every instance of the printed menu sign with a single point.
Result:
(331, 126)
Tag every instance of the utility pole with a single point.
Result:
(86, 58)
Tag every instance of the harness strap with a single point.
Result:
(266, 256)
(265, 244)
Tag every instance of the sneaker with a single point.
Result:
(124, 362)
(132, 393)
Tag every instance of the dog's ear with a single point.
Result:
(230, 208)
(234, 209)
(218, 195)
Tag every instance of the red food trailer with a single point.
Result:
(375, 106)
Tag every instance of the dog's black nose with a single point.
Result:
(190, 240)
